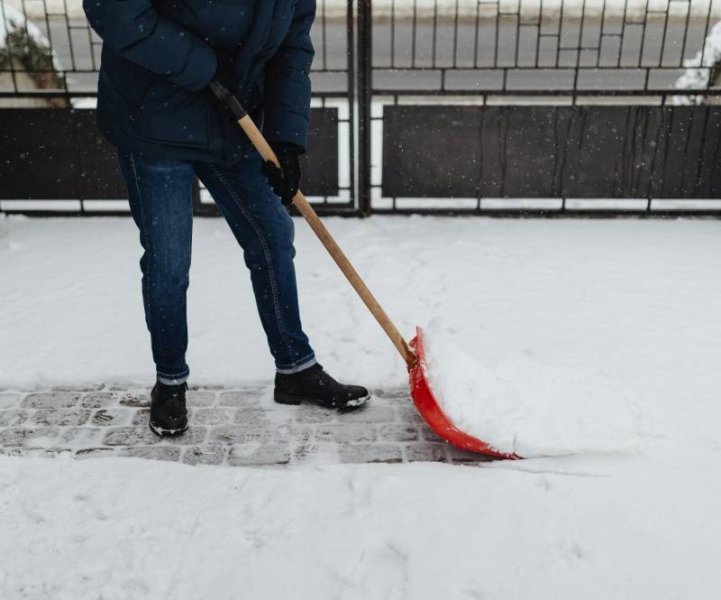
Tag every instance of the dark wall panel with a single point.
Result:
(37, 150)
(59, 154)
(431, 152)
(552, 151)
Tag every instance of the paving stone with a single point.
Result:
(259, 455)
(32, 452)
(54, 400)
(213, 416)
(82, 436)
(130, 436)
(48, 437)
(369, 414)
(238, 434)
(30, 436)
(409, 414)
(293, 433)
(238, 399)
(106, 417)
(13, 417)
(61, 417)
(430, 452)
(316, 452)
(256, 416)
(92, 387)
(429, 435)
(457, 455)
(346, 433)
(370, 453)
(85, 453)
(143, 436)
(198, 398)
(171, 453)
(310, 413)
(394, 394)
(9, 400)
(140, 417)
(204, 455)
(397, 432)
(99, 400)
(135, 399)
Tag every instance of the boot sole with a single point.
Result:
(169, 433)
(289, 400)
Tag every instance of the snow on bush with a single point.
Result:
(703, 70)
(24, 47)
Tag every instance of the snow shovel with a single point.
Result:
(421, 391)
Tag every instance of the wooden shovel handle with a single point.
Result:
(302, 204)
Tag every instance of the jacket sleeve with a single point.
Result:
(287, 82)
(136, 31)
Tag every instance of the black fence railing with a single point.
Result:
(484, 106)
(545, 46)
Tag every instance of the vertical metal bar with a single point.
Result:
(705, 35)
(365, 97)
(414, 34)
(475, 41)
(643, 37)
(455, 37)
(495, 47)
(351, 53)
(685, 37)
(538, 35)
(623, 34)
(435, 31)
(324, 35)
(665, 36)
(519, 33)
(70, 36)
(393, 32)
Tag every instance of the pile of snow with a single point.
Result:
(699, 68)
(529, 408)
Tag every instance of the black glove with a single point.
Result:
(285, 180)
(225, 71)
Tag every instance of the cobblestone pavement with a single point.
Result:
(237, 427)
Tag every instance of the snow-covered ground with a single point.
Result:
(622, 305)
(562, 529)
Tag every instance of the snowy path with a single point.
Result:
(237, 427)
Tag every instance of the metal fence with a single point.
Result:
(497, 107)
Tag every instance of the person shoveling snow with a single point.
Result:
(155, 105)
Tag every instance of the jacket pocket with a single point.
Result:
(172, 115)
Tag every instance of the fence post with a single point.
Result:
(365, 77)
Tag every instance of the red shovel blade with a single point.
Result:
(431, 411)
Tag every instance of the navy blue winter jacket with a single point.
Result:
(159, 55)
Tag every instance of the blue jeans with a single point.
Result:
(161, 204)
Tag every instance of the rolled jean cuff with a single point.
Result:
(301, 365)
(173, 379)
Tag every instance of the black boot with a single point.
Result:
(316, 386)
(168, 415)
